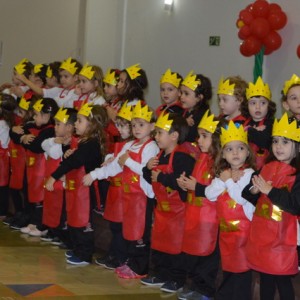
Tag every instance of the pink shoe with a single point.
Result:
(127, 273)
(119, 269)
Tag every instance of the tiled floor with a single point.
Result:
(30, 269)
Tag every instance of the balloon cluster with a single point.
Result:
(258, 24)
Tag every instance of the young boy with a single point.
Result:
(167, 233)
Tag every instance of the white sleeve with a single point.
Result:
(52, 92)
(4, 134)
(52, 149)
(215, 189)
(99, 100)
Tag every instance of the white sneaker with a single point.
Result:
(28, 228)
(36, 232)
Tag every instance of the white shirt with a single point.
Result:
(62, 96)
(4, 134)
(52, 149)
(113, 168)
(234, 189)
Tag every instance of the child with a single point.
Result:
(54, 148)
(271, 248)
(132, 82)
(261, 117)
(137, 192)
(232, 99)
(81, 200)
(162, 171)
(233, 168)
(113, 212)
(170, 93)
(196, 91)
(34, 134)
(201, 226)
(90, 86)
(65, 94)
(7, 106)
(52, 75)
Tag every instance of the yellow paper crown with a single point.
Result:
(110, 77)
(285, 129)
(258, 89)
(233, 133)
(163, 122)
(125, 112)
(207, 122)
(141, 112)
(86, 109)
(225, 87)
(133, 71)
(190, 81)
(38, 105)
(37, 68)
(87, 71)
(49, 72)
(61, 115)
(24, 104)
(292, 81)
(168, 77)
(69, 66)
(20, 67)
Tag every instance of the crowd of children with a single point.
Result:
(185, 193)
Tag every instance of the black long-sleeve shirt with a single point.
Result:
(182, 162)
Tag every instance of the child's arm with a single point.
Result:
(216, 188)
(30, 84)
(53, 149)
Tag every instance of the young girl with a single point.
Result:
(81, 200)
(132, 83)
(233, 168)
(170, 93)
(196, 91)
(90, 86)
(65, 94)
(52, 75)
(232, 99)
(271, 248)
(34, 134)
(261, 110)
(7, 106)
(167, 260)
(137, 192)
(113, 212)
(201, 226)
(55, 147)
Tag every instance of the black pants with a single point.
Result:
(235, 286)
(269, 283)
(118, 246)
(17, 198)
(4, 200)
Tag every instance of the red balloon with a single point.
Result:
(274, 7)
(246, 16)
(268, 51)
(277, 20)
(260, 27)
(249, 7)
(272, 41)
(250, 46)
(244, 32)
(260, 8)
(298, 51)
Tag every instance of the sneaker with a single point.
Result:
(120, 268)
(194, 295)
(47, 238)
(28, 228)
(152, 281)
(101, 261)
(112, 264)
(170, 287)
(127, 273)
(69, 253)
(74, 260)
(20, 221)
(8, 220)
(36, 232)
(56, 241)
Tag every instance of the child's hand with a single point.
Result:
(108, 161)
(225, 175)
(59, 140)
(27, 138)
(111, 112)
(152, 163)
(180, 181)
(69, 153)
(123, 158)
(263, 186)
(21, 77)
(190, 120)
(260, 128)
(18, 129)
(17, 91)
(154, 175)
(49, 184)
(5, 85)
(236, 175)
(87, 180)
(190, 183)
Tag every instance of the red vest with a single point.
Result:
(273, 235)
(168, 225)
(201, 226)
(114, 201)
(53, 201)
(134, 201)
(234, 231)
(4, 166)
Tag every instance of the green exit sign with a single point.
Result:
(214, 40)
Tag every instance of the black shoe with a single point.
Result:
(22, 221)
(152, 281)
(170, 287)
(101, 261)
(113, 264)
(8, 220)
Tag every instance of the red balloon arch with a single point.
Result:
(258, 24)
